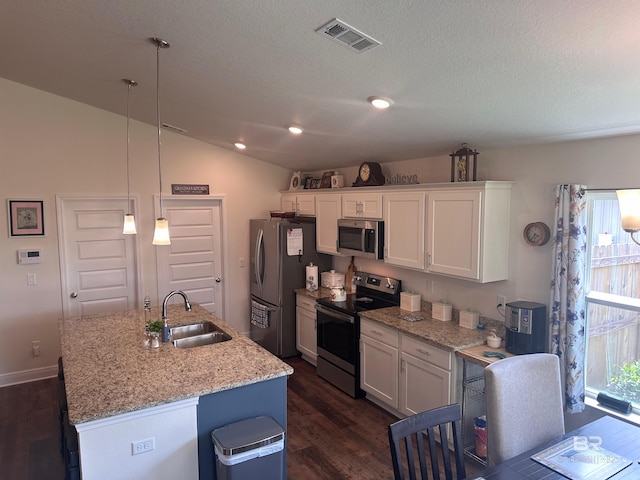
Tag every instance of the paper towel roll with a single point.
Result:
(312, 277)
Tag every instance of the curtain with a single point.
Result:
(568, 307)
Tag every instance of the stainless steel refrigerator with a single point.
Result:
(277, 268)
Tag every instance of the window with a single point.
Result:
(613, 303)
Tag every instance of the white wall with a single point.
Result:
(604, 163)
(51, 146)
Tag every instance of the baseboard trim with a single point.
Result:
(26, 376)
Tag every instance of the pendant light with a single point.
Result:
(161, 234)
(129, 220)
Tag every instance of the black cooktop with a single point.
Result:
(372, 292)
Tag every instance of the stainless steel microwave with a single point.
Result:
(361, 238)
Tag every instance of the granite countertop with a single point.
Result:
(322, 292)
(108, 371)
(446, 335)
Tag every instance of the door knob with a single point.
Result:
(74, 295)
(218, 279)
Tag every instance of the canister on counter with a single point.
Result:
(312, 277)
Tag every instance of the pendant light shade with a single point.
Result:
(129, 224)
(161, 233)
(129, 221)
(629, 203)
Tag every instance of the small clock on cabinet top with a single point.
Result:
(369, 174)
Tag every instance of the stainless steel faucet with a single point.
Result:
(187, 305)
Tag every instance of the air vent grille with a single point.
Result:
(348, 36)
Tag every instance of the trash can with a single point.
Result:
(249, 449)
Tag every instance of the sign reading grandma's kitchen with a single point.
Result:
(188, 189)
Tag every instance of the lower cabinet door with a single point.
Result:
(306, 339)
(423, 386)
(379, 370)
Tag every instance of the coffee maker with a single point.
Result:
(526, 325)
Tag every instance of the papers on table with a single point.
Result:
(582, 458)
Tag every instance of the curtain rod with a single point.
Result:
(606, 189)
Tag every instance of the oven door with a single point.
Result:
(337, 338)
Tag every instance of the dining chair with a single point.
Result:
(429, 422)
(524, 404)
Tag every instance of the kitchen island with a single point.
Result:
(121, 395)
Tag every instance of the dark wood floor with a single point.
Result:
(329, 435)
(332, 436)
(29, 432)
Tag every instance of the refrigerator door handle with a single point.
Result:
(259, 263)
(266, 307)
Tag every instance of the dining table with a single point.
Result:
(595, 442)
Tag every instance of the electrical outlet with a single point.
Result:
(501, 301)
(35, 346)
(143, 446)
(241, 263)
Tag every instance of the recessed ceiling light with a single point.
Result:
(381, 103)
(240, 146)
(295, 129)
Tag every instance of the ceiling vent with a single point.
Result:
(346, 35)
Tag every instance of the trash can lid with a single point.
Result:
(247, 435)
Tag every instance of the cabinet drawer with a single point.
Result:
(434, 355)
(382, 334)
(305, 302)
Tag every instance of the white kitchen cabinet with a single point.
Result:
(404, 222)
(425, 376)
(328, 211)
(302, 204)
(468, 232)
(403, 374)
(362, 205)
(306, 339)
(379, 362)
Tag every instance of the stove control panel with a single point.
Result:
(377, 282)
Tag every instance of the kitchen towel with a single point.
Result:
(259, 315)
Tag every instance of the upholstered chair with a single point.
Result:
(524, 404)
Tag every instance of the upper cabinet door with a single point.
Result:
(362, 205)
(328, 211)
(299, 203)
(404, 227)
(468, 232)
(453, 233)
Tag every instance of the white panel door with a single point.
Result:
(98, 263)
(193, 261)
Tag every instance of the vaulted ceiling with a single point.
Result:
(491, 73)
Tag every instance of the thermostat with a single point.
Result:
(26, 257)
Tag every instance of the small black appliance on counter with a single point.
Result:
(526, 324)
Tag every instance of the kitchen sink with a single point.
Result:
(183, 331)
(197, 335)
(200, 340)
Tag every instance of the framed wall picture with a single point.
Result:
(26, 218)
